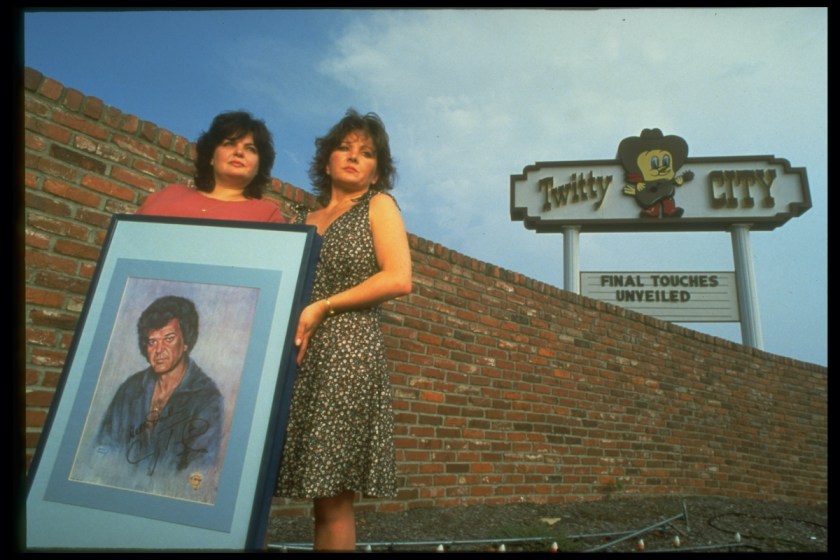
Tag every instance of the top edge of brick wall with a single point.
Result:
(95, 109)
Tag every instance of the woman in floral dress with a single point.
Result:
(339, 438)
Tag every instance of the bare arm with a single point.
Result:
(390, 243)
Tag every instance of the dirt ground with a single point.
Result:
(614, 524)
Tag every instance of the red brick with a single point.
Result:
(35, 418)
(35, 143)
(39, 398)
(133, 180)
(31, 440)
(94, 218)
(51, 280)
(44, 298)
(112, 117)
(184, 147)
(80, 124)
(47, 129)
(73, 99)
(36, 107)
(110, 188)
(51, 89)
(36, 239)
(32, 79)
(130, 124)
(149, 131)
(181, 167)
(137, 147)
(77, 159)
(165, 138)
(57, 226)
(93, 108)
(70, 192)
(76, 249)
(62, 321)
(40, 337)
(156, 171)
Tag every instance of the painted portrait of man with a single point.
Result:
(169, 415)
(167, 391)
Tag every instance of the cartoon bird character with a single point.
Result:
(650, 163)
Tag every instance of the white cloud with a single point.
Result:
(474, 96)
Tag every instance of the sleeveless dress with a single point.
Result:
(340, 431)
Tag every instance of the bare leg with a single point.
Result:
(335, 523)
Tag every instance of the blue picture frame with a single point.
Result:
(248, 282)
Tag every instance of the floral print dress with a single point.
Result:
(340, 430)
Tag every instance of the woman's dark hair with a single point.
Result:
(371, 125)
(163, 310)
(234, 125)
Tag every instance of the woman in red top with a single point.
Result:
(233, 168)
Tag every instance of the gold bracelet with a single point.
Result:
(330, 310)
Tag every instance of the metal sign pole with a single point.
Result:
(571, 258)
(747, 292)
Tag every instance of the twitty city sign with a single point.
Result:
(653, 185)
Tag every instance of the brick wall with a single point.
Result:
(507, 389)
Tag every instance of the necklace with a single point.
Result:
(160, 396)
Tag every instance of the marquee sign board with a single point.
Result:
(654, 186)
(679, 297)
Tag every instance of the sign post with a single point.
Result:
(653, 186)
(745, 277)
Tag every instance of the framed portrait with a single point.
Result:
(167, 426)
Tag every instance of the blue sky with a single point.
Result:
(471, 97)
